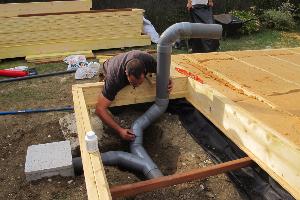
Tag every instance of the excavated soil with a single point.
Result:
(174, 151)
(167, 142)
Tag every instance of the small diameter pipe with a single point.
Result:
(36, 76)
(27, 111)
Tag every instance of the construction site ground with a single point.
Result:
(167, 141)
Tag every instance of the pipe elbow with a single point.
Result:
(191, 30)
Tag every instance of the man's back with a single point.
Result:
(114, 69)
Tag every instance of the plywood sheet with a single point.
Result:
(253, 96)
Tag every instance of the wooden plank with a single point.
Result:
(56, 37)
(71, 16)
(56, 56)
(265, 78)
(20, 25)
(105, 56)
(196, 174)
(15, 9)
(196, 66)
(279, 157)
(58, 19)
(128, 95)
(76, 45)
(96, 183)
(90, 11)
(295, 50)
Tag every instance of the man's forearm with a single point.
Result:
(107, 119)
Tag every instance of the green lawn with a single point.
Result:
(267, 39)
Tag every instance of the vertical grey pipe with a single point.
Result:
(164, 50)
(139, 158)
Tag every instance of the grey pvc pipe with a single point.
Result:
(139, 159)
(130, 161)
(164, 48)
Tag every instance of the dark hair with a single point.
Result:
(135, 67)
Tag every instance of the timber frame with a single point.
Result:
(266, 149)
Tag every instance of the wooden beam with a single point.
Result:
(278, 157)
(15, 9)
(75, 45)
(80, 12)
(44, 58)
(95, 179)
(107, 24)
(196, 174)
(144, 93)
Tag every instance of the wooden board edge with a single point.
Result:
(280, 159)
(43, 58)
(95, 179)
(178, 178)
(78, 45)
(142, 94)
(16, 9)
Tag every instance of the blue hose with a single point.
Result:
(68, 108)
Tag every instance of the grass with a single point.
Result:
(42, 68)
(267, 39)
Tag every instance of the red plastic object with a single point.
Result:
(13, 73)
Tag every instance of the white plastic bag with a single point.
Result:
(149, 29)
(75, 62)
(20, 68)
(88, 71)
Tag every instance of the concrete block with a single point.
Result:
(46, 160)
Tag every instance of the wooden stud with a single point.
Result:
(95, 179)
(196, 174)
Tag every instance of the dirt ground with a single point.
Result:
(174, 151)
(168, 143)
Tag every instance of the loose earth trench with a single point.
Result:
(167, 142)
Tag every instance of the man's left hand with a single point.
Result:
(170, 86)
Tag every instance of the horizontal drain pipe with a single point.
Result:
(122, 159)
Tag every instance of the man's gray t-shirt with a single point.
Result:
(114, 69)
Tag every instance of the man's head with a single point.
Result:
(135, 71)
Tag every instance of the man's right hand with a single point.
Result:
(189, 5)
(126, 134)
